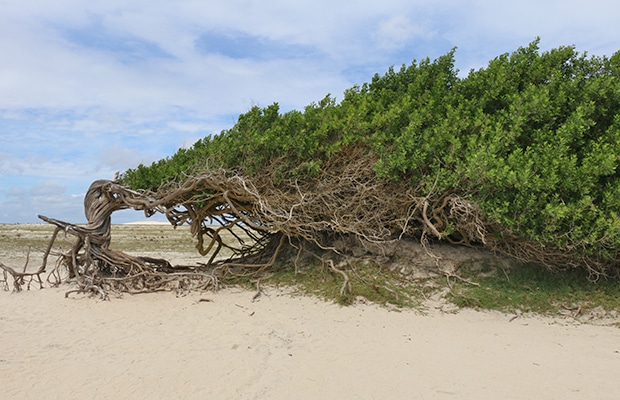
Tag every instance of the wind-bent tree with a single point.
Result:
(520, 157)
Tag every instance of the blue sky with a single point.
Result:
(90, 88)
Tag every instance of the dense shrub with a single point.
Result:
(533, 139)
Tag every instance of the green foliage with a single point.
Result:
(547, 155)
(533, 138)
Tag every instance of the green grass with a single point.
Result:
(524, 288)
(368, 282)
(533, 289)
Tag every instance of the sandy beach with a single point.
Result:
(225, 346)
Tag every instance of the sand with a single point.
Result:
(159, 346)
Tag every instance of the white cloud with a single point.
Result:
(38, 165)
(397, 31)
(47, 189)
(9, 165)
(484, 29)
(119, 158)
(48, 198)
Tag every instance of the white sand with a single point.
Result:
(158, 346)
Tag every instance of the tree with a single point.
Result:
(520, 157)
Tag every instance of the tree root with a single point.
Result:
(21, 278)
(259, 219)
(346, 285)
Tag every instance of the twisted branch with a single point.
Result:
(346, 199)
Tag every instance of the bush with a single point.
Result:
(533, 140)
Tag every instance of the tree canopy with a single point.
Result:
(531, 142)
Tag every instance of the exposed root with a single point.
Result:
(254, 219)
(346, 285)
(20, 278)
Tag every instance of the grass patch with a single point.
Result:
(368, 282)
(533, 289)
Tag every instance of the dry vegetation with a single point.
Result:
(243, 226)
(248, 236)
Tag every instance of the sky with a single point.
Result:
(90, 88)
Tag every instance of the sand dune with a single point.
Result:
(158, 346)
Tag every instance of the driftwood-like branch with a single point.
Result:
(20, 278)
